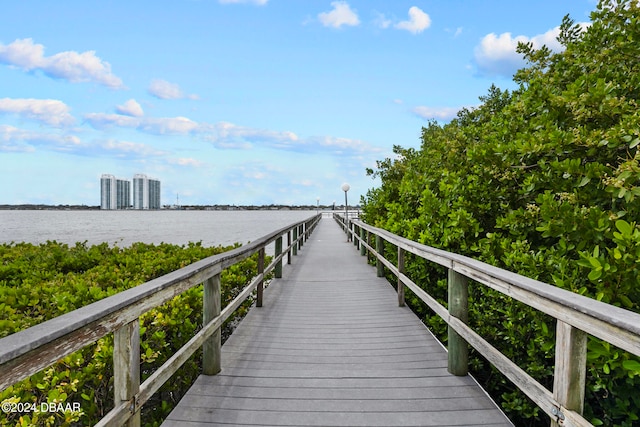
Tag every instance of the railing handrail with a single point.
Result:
(577, 315)
(26, 352)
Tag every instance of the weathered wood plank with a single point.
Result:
(211, 349)
(126, 369)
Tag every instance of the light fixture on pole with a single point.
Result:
(345, 188)
(317, 205)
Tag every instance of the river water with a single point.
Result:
(122, 228)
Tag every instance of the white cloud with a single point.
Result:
(437, 113)
(49, 111)
(130, 108)
(340, 15)
(229, 135)
(69, 65)
(101, 120)
(168, 125)
(164, 90)
(496, 54)
(417, 23)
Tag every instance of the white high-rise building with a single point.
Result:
(146, 192)
(114, 193)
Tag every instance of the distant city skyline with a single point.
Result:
(243, 102)
(115, 193)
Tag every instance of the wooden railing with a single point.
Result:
(24, 353)
(576, 316)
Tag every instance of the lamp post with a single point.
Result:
(345, 188)
(317, 205)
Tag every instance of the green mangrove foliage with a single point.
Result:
(40, 282)
(544, 181)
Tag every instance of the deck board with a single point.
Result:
(330, 347)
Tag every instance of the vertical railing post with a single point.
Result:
(400, 272)
(260, 290)
(295, 241)
(363, 249)
(380, 251)
(355, 241)
(459, 308)
(126, 368)
(211, 348)
(289, 246)
(570, 370)
(278, 252)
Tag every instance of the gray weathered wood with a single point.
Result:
(570, 369)
(260, 289)
(126, 369)
(211, 310)
(332, 347)
(278, 252)
(458, 307)
(295, 241)
(399, 284)
(379, 251)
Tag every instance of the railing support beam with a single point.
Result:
(126, 368)
(260, 289)
(278, 252)
(380, 251)
(400, 271)
(458, 307)
(295, 241)
(211, 348)
(570, 370)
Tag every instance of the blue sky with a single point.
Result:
(242, 102)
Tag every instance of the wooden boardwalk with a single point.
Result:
(331, 347)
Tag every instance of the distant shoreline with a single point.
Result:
(37, 207)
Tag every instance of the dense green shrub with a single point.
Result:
(543, 181)
(40, 282)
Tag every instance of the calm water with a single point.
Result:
(123, 228)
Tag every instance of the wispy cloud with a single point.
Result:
(16, 139)
(72, 66)
(153, 125)
(125, 149)
(437, 113)
(48, 111)
(163, 89)
(417, 23)
(340, 15)
(186, 162)
(381, 21)
(230, 136)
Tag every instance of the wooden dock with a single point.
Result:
(331, 347)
